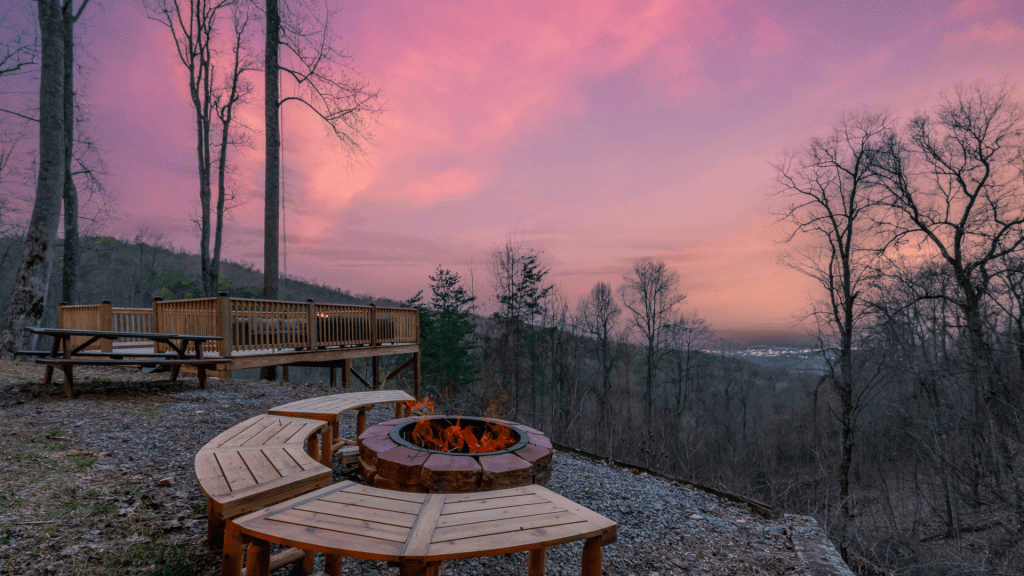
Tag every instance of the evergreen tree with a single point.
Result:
(446, 326)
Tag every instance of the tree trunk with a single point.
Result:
(272, 181)
(272, 176)
(29, 295)
(69, 275)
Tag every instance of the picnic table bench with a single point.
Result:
(258, 462)
(330, 408)
(416, 531)
(64, 356)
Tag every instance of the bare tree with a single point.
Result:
(18, 52)
(831, 190)
(597, 316)
(29, 295)
(324, 83)
(71, 208)
(193, 26)
(651, 292)
(235, 90)
(955, 191)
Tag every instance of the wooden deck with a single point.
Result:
(258, 333)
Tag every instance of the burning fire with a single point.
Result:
(323, 315)
(424, 408)
(441, 435)
(444, 437)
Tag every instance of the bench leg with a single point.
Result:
(326, 448)
(202, 377)
(538, 558)
(175, 368)
(214, 526)
(69, 381)
(231, 559)
(49, 376)
(308, 561)
(592, 557)
(333, 564)
(420, 569)
(257, 560)
(360, 422)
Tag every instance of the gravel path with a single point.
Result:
(141, 430)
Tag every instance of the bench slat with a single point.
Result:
(112, 362)
(357, 512)
(235, 472)
(259, 466)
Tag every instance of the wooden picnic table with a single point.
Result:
(64, 355)
(416, 531)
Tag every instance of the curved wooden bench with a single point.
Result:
(330, 408)
(258, 462)
(417, 531)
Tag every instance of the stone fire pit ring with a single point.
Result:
(388, 461)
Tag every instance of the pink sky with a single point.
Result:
(598, 132)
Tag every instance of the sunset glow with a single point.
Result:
(598, 132)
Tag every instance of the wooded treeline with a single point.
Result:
(910, 446)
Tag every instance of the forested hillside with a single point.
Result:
(130, 272)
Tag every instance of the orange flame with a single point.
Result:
(434, 435)
(423, 408)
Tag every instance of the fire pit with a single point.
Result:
(448, 454)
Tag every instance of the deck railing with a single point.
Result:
(193, 316)
(86, 317)
(252, 325)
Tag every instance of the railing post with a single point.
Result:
(106, 322)
(156, 321)
(373, 324)
(416, 375)
(224, 325)
(311, 335)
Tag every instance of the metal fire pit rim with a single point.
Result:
(396, 435)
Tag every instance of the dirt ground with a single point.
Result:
(104, 485)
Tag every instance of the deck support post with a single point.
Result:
(334, 376)
(416, 376)
(106, 322)
(346, 375)
(223, 325)
(375, 361)
(311, 324)
(157, 324)
(284, 374)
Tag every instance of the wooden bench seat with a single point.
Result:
(416, 531)
(258, 462)
(170, 361)
(100, 354)
(330, 408)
